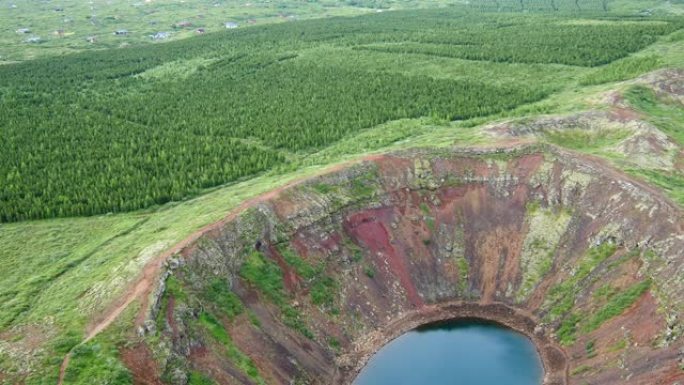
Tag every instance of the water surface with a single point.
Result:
(463, 353)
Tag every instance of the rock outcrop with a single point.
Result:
(301, 289)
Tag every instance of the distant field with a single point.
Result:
(67, 26)
(31, 29)
(126, 129)
(72, 25)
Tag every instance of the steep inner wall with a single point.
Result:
(305, 287)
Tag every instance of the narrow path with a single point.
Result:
(145, 283)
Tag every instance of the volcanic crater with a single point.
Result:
(304, 287)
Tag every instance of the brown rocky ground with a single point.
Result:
(532, 237)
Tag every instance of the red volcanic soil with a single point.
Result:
(369, 231)
(434, 235)
(138, 359)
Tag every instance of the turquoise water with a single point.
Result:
(470, 353)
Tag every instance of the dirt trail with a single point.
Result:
(144, 284)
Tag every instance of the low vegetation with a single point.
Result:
(568, 328)
(197, 378)
(665, 114)
(218, 293)
(624, 69)
(267, 277)
(96, 361)
(580, 370)
(562, 295)
(615, 301)
(586, 140)
(321, 287)
(668, 116)
(617, 305)
(238, 358)
(672, 182)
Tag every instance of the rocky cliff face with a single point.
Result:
(304, 287)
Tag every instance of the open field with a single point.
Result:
(31, 29)
(70, 26)
(143, 150)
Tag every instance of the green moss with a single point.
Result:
(463, 268)
(619, 345)
(303, 268)
(590, 349)
(219, 293)
(580, 369)
(546, 227)
(568, 328)
(323, 188)
(215, 329)
(369, 271)
(604, 292)
(197, 378)
(355, 251)
(254, 319)
(425, 208)
(174, 288)
(617, 305)
(532, 207)
(293, 319)
(430, 222)
(626, 257)
(265, 275)
(563, 294)
(357, 255)
(323, 291)
(363, 186)
(237, 357)
(322, 288)
(160, 320)
(334, 343)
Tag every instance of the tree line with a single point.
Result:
(91, 133)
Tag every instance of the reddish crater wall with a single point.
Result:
(421, 236)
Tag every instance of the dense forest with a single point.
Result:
(125, 129)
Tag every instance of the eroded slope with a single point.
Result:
(302, 288)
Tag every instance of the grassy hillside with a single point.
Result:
(175, 135)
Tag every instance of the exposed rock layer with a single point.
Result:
(534, 238)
